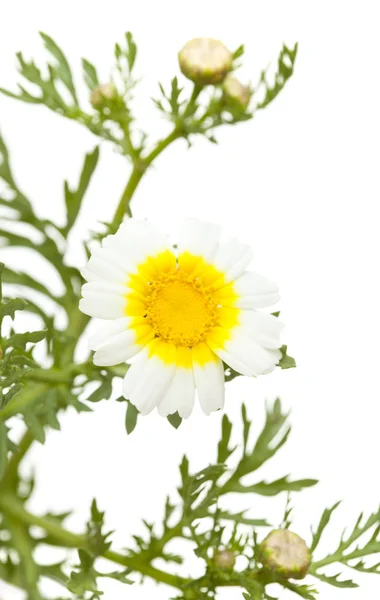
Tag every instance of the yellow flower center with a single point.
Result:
(180, 310)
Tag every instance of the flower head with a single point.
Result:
(235, 92)
(183, 312)
(224, 559)
(103, 93)
(285, 553)
(205, 61)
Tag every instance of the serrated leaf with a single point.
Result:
(224, 451)
(20, 340)
(74, 197)
(285, 68)
(62, 69)
(324, 521)
(264, 488)
(275, 428)
(9, 307)
(335, 581)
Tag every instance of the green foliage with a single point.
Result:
(285, 69)
(16, 360)
(361, 541)
(74, 198)
(199, 514)
(273, 436)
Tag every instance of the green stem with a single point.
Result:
(193, 98)
(10, 477)
(24, 398)
(137, 173)
(13, 508)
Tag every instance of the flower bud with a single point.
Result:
(1, 353)
(285, 553)
(224, 559)
(205, 61)
(103, 93)
(235, 92)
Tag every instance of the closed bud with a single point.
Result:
(235, 92)
(205, 61)
(285, 553)
(224, 559)
(103, 93)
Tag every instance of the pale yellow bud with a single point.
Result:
(205, 61)
(235, 92)
(103, 93)
(224, 559)
(285, 553)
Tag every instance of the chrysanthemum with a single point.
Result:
(183, 312)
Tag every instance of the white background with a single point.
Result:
(300, 183)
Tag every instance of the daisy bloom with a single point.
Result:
(181, 311)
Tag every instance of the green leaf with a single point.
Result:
(19, 340)
(272, 437)
(131, 417)
(3, 449)
(275, 487)
(242, 519)
(96, 539)
(9, 307)
(286, 362)
(174, 420)
(19, 278)
(103, 392)
(325, 519)
(335, 582)
(224, 451)
(90, 74)
(285, 68)
(74, 198)
(305, 591)
(62, 69)
(238, 52)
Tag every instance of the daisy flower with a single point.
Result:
(182, 311)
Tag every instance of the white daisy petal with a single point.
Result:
(121, 347)
(199, 238)
(102, 305)
(98, 269)
(135, 241)
(255, 291)
(232, 258)
(148, 380)
(103, 287)
(245, 355)
(209, 379)
(180, 396)
(263, 328)
(107, 331)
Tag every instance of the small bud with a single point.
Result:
(224, 559)
(285, 553)
(235, 92)
(1, 353)
(102, 93)
(205, 61)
